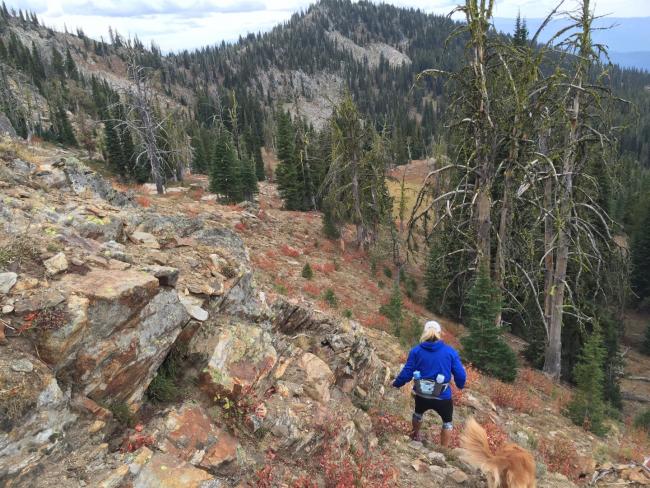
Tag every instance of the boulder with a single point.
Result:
(34, 412)
(146, 239)
(314, 375)
(7, 282)
(232, 357)
(120, 326)
(6, 129)
(56, 264)
(188, 434)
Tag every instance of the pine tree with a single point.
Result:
(588, 407)
(113, 146)
(70, 66)
(219, 164)
(393, 310)
(286, 173)
(57, 62)
(483, 346)
(641, 256)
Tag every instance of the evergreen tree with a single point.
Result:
(113, 147)
(286, 173)
(220, 161)
(57, 63)
(483, 346)
(70, 66)
(393, 311)
(641, 255)
(588, 407)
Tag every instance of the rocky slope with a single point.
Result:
(106, 294)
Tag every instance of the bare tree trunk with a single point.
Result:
(553, 355)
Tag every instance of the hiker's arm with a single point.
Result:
(407, 371)
(458, 371)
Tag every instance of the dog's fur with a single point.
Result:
(511, 466)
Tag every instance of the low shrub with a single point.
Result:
(514, 396)
(289, 251)
(560, 456)
(330, 297)
(307, 272)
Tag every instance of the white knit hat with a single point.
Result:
(432, 325)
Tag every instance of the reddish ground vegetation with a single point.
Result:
(560, 456)
(289, 251)
(385, 424)
(143, 201)
(312, 289)
(264, 263)
(473, 379)
(325, 268)
(537, 380)
(344, 468)
(515, 396)
(240, 227)
(375, 321)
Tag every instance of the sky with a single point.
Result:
(184, 24)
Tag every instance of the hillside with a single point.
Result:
(305, 66)
(223, 285)
(214, 263)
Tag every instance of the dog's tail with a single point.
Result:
(476, 450)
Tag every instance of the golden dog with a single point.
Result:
(511, 466)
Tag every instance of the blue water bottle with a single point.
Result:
(417, 375)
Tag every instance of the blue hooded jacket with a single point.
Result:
(431, 359)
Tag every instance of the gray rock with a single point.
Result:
(146, 239)
(222, 237)
(82, 179)
(22, 365)
(56, 264)
(6, 129)
(7, 282)
(44, 298)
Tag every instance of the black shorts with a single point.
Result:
(444, 408)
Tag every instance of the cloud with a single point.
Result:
(131, 8)
(184, 24)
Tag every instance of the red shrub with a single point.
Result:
(240, 227)
(514, 396)
(312, 289)
(143, 201)
(537, 380)
(375, 321)
(325, 268)
(264, 264)
(385, 424)
(560, 456)
(292, 252)
(415, 308)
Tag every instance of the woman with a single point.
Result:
(432, 364)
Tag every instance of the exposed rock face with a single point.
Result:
(121, 326)
(83, 180)
(233, 356)
(56, 264)
(6, 129)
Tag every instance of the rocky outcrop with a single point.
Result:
(232, 357)
(6, 129)
(119, 327)
(34, 411)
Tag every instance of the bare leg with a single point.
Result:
(445, 437)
